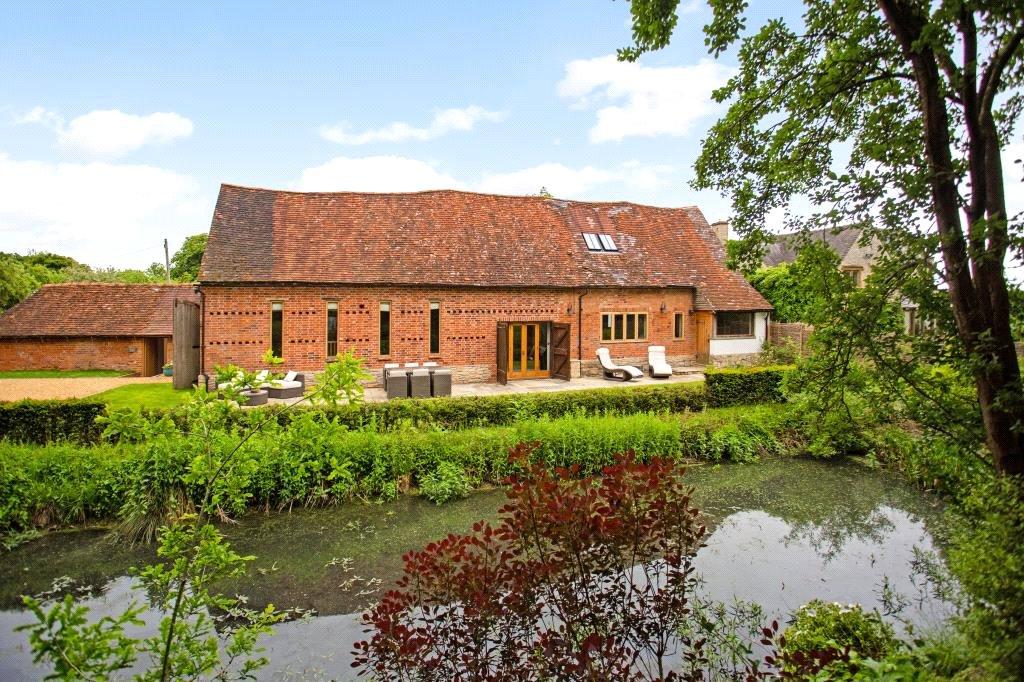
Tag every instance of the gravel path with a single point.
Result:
(41, 389)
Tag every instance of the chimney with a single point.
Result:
(721, 228)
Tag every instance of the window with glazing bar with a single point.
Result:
(277, 329)
(435, 328)
(332, 330)
(624, 326)
(385, 328)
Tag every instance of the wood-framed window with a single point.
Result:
(856, 275)
(385, 328)
(624, 326)
(435, 328)
(734, 325)
(277, 329)
(678, 326)
(332, 329)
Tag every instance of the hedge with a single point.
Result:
(313, 462)
(724, 388)
(745, 386)
(46, 421)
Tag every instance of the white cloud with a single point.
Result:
(100, 213)
(691, 7)
(444, 122)
(577, 183)
(402, 174)
(636, 100)
(374, 174)
(109, 132)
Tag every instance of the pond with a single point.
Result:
(782, 532)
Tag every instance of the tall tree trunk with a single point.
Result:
(980, 303)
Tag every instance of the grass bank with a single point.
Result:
(160, 396)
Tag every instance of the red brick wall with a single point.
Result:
(236, 323)
(72, 353)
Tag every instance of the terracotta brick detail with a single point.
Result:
(236, 323)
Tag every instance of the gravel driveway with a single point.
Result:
(41, 389)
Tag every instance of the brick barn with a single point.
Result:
(496, 287)
(92, 326)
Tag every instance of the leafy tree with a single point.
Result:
(922, 97)
(185, 261)
(16, 282)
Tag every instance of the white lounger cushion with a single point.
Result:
(656, 359)
(606, 362)
(290, 376)
(286, 384)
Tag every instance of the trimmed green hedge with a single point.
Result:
(55, 420)
(745, 386)
(46, 421)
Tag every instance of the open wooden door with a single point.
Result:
(502, 353)
(186, 343)
(703, 321)
(152, 356)
(560, 350)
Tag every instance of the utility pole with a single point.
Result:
(167, 261)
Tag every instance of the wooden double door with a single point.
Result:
(532, 350)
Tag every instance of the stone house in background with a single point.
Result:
(90, 325)
(855, 261)
(495, 287)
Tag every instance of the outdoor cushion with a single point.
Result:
(613, 371)
(290, 376)
(656, 359)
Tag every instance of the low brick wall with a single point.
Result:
(124, 354)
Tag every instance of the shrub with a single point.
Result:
(823, 633)
(745, 386)
(580, 579)
(45, 421)
(446, 483)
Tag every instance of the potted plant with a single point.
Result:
(169, 369)
(251, 393)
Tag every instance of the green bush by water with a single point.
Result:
(156, 470)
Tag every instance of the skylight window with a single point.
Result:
(599, 242)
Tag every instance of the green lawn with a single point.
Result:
(61, 373)
(147, 396)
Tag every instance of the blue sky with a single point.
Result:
(118, 121)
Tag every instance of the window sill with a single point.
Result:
(626, 341)
(733, 337)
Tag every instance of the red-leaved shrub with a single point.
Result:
(582, 579)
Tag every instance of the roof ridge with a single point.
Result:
(455, 191)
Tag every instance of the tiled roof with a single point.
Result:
(451, 238)
(96, 309)
(784, 247)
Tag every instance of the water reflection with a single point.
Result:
(783, 532)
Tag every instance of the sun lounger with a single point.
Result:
(419, 383)
(292, 386)
(660, 369)
(613, 371)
